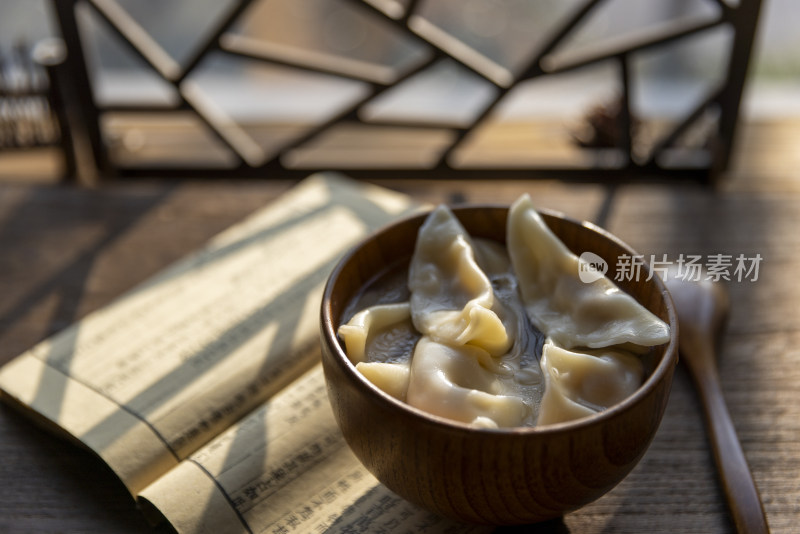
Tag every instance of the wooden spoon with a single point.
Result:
(702, 308)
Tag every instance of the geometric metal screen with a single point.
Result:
(611, 128)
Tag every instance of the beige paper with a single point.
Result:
(285, 468)
(150, 378)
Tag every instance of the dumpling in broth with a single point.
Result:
(393, 378)
(361, 331)
(581, 383)
(572, 312)
(451, 382)
(451, 297)
(379, 341)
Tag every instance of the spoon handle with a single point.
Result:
(737, 481)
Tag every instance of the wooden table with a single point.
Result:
(66, 251)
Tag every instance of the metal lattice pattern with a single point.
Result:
(741, 17)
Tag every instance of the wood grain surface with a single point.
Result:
(67, 251)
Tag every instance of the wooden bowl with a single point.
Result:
(503, 476)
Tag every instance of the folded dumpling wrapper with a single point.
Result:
(581, 383)
(450, 382)
(451, 297)
(364, 325)
(572, 312)
(393, 378)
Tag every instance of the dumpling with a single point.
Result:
(451, 297)
(450, 382)
(393, 378)
(578, 384)
(571, 312)
(380, 340)
(365, 328)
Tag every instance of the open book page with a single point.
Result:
(285, 468)
(147, 380)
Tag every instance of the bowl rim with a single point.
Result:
(659, 373)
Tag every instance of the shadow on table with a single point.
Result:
(553, 526)
(69, 482)
(68, 283)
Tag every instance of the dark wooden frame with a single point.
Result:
(742, 18)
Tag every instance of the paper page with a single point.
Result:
(286, 468)
(148, 379)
